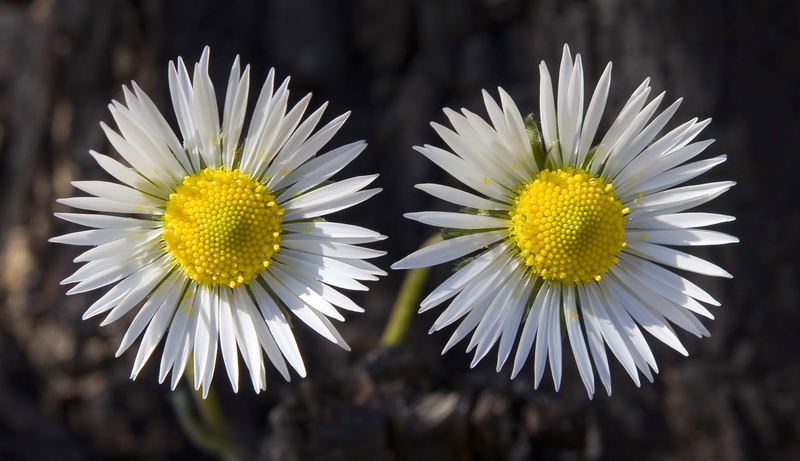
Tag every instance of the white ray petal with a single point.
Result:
(108, 206)
(668, 278)
(517, 302)
(329, 193)
(465, 172)
(459, 197)
(157, 324)
(449, 250)
(184, 312)
(593, 114)
(329, 248)
(603, 323)
(320, 169)
(291, 158)
(547, 326)
(576, 340)
(594, 337)
(547, 112)
(129, 176)
(480, 266)
(674, 258)
(227, 336)
(332, 230)
(678, 220)
(458, 220)
(682, 237)
(328, 207)
(166, 293)
(107, 222)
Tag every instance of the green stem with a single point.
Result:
(406, 302)
(211, 433)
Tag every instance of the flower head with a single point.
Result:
(571, 232)
(219, 240)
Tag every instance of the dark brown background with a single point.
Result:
(395, 64)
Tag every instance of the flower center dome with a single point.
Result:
(221, 227)
(568, 226)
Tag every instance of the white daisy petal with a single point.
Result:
(576, 340)
(165, 163)
(594, 338)
(668, 278)
(649, 158)
(519, 138)
(474, 294)
(330, 206)
(529, 331)
(219, 237)
(333, 230)
(329, 193)
(593, 115)
(509, 330)
(259, 149)
(547, 112)
(678, 175)
(545, 328)
(304, 293)
(683, 237)
(464, 172)
(105, 205)
(679, 199)
(117, 193)
(456, 282)
(204, 105)
(279, 328)
(247, 319)
(674, 258)
(156, 325)
(128, 176)
(133, 243)
(227, 337)
(449, 250)
(106, 222)
(679, 220)
(151, 276)
(318, 170)
(289, 160)
(654, 325)
(96, 236)
(457, 220)
(622, 152)
(460, 197)
(617, 130)
(234, 112)
(326, 275)
(569, 127)
(659, 305)
(147, 314)
(329, 248)
(179, 331)
(147, 112)
(609, 331)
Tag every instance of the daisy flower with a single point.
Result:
(219, 241)
(574, 235)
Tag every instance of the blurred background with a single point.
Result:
(395, 64)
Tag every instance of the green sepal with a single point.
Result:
(535, 139)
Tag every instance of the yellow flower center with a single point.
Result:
(568, 226)
(221, 227)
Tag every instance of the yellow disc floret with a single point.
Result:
(568, 225)
(221, 227)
